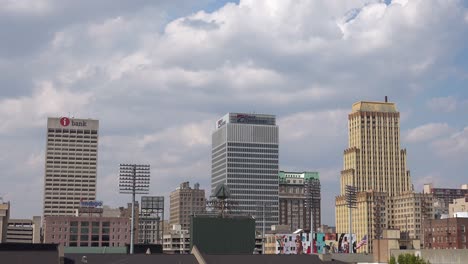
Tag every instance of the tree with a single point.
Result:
(408, 258)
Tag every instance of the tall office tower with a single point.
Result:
(373, 159)
(296, 189)
(375, 164)
(184, 202)
(244, 156)
(71, 164)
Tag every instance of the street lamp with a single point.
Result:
(134, 179)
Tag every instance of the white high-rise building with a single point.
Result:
(71, 164)
(245, 158)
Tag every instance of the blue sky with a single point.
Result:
(158, 76)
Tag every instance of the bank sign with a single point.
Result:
(91, 204)
(65, 121)
(243, 118)
(221, 122)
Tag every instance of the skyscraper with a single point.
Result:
(373, 159)
(70, 165)
(245, 158)
(375, 164)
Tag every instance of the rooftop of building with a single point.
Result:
(246, 118)
(368, 106)
(303, 175)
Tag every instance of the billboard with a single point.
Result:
(152, 202)
(90, 204)
(216, 235)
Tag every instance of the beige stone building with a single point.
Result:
(458, 206)
(184, 202)
(27, 231)
(407, 212)
(376, 165)
(176, 241)
(70, 165)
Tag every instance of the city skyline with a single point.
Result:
(158, 76)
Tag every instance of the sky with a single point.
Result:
(158, 74)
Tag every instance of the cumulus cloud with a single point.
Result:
(456, 145)
(427, 132)
(26, 7)
(47, 100)
(157, 75)
(443, 104)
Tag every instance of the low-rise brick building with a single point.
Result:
(449, 233)
(87, 231)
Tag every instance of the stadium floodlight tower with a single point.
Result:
(351, 200)
(134, 179)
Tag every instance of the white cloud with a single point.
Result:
(157, 86)
(443, 104)
(186, 136)
(454, 146)
(47, 100)
(26, 7)
(311, 125)
(427, 132)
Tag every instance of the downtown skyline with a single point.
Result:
(157, 77)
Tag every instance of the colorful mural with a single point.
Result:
(302, 243)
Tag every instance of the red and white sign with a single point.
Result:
(64, 121)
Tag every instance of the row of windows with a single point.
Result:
(221, 167)
(221, 157)
(253, 181)
(71, 183)
(218, 152)
(70, 162)
(236, 188)
(275, 172)
(63, 198)
(215, 164)
(76, 202)
(71, 173)
(72, 135)
(91, 142)
(254, 145)
(234, 149)
(81, 148)
(251, 166)
(218, 148)
(254, 176)
(258, 200)
(253, 161)
(244, 155)
(70, 189)
(73, 131)
(72, 158)
(216, 174)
